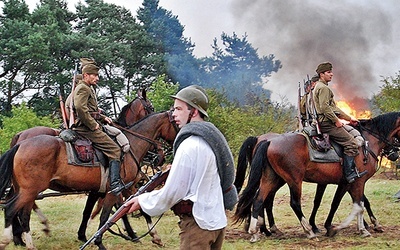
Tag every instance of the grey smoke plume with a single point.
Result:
(355, 36)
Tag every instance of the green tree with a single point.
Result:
(22, 118)
(111, 35)
(160, 94)
(174, 53)
(33, 51)
(388, 99)
(238, 69)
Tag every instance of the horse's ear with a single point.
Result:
(139, 94)
(144, 94)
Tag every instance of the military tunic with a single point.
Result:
(87, 118)
(328, 113)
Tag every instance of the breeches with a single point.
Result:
(342, 137)
(102, 142)
(194, 238)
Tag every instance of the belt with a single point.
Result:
(183, 208)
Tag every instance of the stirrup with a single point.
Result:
(117, 190)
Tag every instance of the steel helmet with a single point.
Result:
(195, 96)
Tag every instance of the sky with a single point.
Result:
(359, 37)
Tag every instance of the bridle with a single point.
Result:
(147, 105)
(390, 151)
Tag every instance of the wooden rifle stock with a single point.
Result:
(62, 108)
(71, 110)
(154, 182)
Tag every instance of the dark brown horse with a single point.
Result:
(40, 162)
(245, 157)
(285, 159)
(135, 110)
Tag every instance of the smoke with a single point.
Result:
(355, 36)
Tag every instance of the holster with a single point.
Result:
(183, 207)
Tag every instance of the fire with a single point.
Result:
(358, 114)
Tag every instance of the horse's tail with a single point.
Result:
(243, 209)
(244, 158)
(6, 168)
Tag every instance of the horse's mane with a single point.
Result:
(144, 118)
(382, 124)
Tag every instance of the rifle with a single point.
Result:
(154, 182)
(314, 112)
(298, 110)
(71, 111)
(62, 108)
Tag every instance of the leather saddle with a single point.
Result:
(80, 151)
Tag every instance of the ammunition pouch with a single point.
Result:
(84, 150)
(310, 130)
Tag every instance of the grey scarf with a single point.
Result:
(223, 155)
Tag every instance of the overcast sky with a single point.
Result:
(360, 37)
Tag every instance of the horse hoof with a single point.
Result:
(158, 242)
(82, 238)
(254, 238)
(332, 232)
(379, 229)
(274, 229)
(364, 233)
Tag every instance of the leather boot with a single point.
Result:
(349, 173)
(116, 185)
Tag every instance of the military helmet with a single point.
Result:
(195, 96)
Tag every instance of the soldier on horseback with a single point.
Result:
(329, 116)
(89, 121)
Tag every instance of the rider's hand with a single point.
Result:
(108, 120)
(339, 124)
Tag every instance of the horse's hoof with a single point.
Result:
(332, 231)
(82, 238)
(264, 230)
(316, 230)
(254, 238)
(274, 229)
(364, 233)
(158, 242)
(379, 229)
(18, 241)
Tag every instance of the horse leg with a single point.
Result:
(317, 203)
(339, 193)
(268, 204)
(25, 217)
(109, 202)
(90, 202)
(156, 239)
(377, 227)
(43, 219)
(295, 204)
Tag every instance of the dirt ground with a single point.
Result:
(294, 237)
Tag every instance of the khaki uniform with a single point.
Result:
(328, 114)
(87, 118)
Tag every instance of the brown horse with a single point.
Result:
(40, 162)
(245, 157)
(285, 159)
(135, 110)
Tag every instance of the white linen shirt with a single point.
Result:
(193, 176)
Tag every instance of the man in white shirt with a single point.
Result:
(193, 188)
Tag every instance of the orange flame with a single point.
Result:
(358, 114)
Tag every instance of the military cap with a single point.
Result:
(90, 69)
(326, 66)
(85, 61)
(315, 78)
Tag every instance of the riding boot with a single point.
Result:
(348, 170)
(116, 185)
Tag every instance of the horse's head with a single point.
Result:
(135, 110)
(386, 128)
(170, 130)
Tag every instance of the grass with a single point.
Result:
(64, 214)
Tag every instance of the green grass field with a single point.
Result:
(64, 214)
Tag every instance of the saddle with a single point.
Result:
(322, 149)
